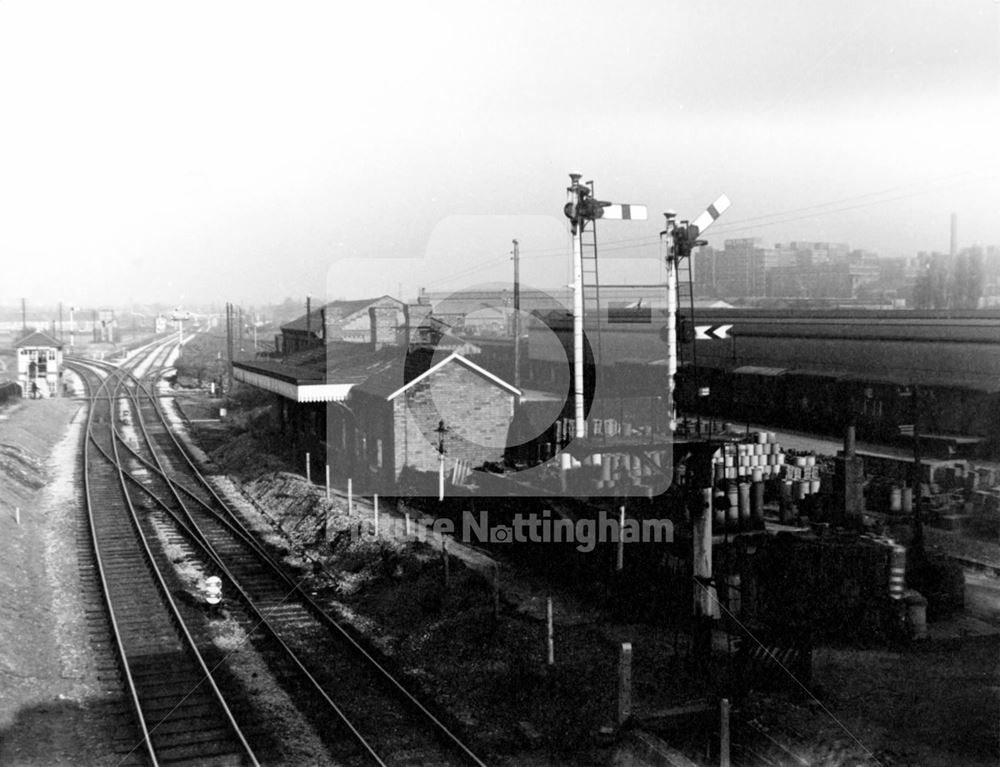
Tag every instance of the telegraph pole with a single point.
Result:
(918, 525)
(517, 317)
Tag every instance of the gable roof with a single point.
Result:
(391, 381)
(335, 310)
(38, 338)
(456, 357)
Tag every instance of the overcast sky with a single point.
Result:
(210, 151)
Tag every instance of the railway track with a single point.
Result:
(363, 712)
(179, 712)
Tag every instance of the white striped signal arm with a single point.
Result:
(711, 213)
(619, 212)
(710, 332)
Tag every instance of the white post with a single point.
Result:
(702, 539)
(407, 524)
(308, 470)
(350, 497)
(550, 638)
(328, 482)
(581, 421)
(376, 514)
(671, 330)
(441, 477)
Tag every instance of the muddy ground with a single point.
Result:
(934, 703)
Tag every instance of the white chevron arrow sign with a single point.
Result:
(710, 332)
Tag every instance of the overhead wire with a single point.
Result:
(740, 226)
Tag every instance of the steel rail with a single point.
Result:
(114, 459)
(239, 530)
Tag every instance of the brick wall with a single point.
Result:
(384, 325)
(476, 411)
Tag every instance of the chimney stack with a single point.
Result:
(383, 324)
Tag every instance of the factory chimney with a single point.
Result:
(954, 235)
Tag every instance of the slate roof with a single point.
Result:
(407, 369)
(38, 338)
(335, 310)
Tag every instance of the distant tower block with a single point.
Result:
(954, 235)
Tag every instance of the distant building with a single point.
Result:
(737, 271)
(346, 321)
(105, 327)
(39, 365)
(827, 280)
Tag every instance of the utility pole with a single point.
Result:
(229, 339)
(517, 317)
(918, 525)
(60, 323)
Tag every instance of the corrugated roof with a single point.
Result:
(335, 363)
(278, 369)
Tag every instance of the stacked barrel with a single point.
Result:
(640, 471)
(800, 476)
(740, 472)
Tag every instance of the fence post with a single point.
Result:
(444, 556)
(620, 564)
(496, 591)
(550, 643)
(624, 683)
(724, 733)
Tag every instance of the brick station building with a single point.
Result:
(372, 404)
